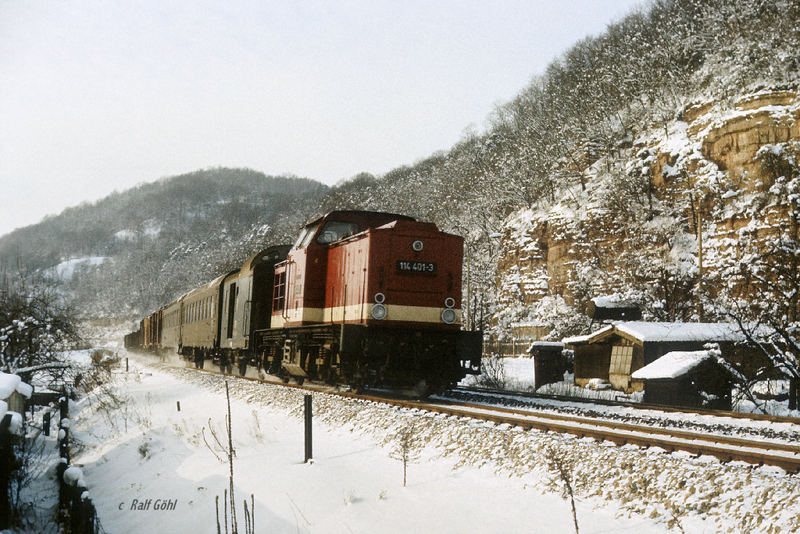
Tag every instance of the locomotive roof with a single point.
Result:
(362, 213)
(279, 251)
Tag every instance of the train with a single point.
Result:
(362, 298)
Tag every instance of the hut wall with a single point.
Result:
(591, 361)
(548, 366)
(685, 391)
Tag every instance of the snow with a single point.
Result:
(668, 332)
(73, 476)
(671, 365)
(16, 423)
(125, 235)
(612, 302)
(471, 476)
(24, 389)
(577, 340)
(66, 269)
(8, 384)
(352, 486)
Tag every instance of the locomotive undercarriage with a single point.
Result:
(368, 356)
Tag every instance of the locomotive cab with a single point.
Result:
(300, 281)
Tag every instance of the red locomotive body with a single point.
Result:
(404, 273)
(371, 298)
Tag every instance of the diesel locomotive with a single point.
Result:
(361, 298)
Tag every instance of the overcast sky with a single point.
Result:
(97, 96)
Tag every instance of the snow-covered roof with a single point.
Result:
(551, 344)
(10, 383)
(645, 331)
(671, 365)
(577, 340)
(612, 302)
(545, 345)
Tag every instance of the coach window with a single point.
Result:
(231, 308)
(336, 230)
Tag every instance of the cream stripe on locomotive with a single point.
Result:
(361, 312)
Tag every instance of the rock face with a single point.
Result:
(634, 230)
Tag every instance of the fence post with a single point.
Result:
(46, 423)
(6, 462)
(307, 412)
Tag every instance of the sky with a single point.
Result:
(97, 96)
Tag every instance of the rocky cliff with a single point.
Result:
(661, 223)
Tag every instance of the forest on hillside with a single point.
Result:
(159, 239)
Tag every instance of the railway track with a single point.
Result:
(477, 391)
(725, 448)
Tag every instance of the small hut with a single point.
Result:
(613, 309)
(614, 352)
(691, 379)
(549, 363)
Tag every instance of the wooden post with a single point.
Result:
(7, 460)
(179, 405)
(308, 416)
(126, 365)
(46, 423)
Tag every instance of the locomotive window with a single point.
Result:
(336, 230)
(279, 292)
(305, 236)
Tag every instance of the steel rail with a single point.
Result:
(636, 405)
(722, 447)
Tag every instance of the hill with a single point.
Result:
(134, 250)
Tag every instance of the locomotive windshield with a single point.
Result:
(305, 236)
(336, 230)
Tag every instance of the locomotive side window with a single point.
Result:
(279, 292)
(336, 230)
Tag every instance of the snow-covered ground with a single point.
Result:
(352, 486)
(470, 477)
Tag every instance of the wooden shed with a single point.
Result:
(691, 379)
(614, 352)
(549, 363)
(609, 308)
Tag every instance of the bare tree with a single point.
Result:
(407, 447)
(561, 469)
(223, 450)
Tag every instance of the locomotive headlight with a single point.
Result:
(378, 311)
(449, 302)
(417, 245)
(449, 316)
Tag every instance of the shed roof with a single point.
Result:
(671, 365)
(537, 345)
(661, 332)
